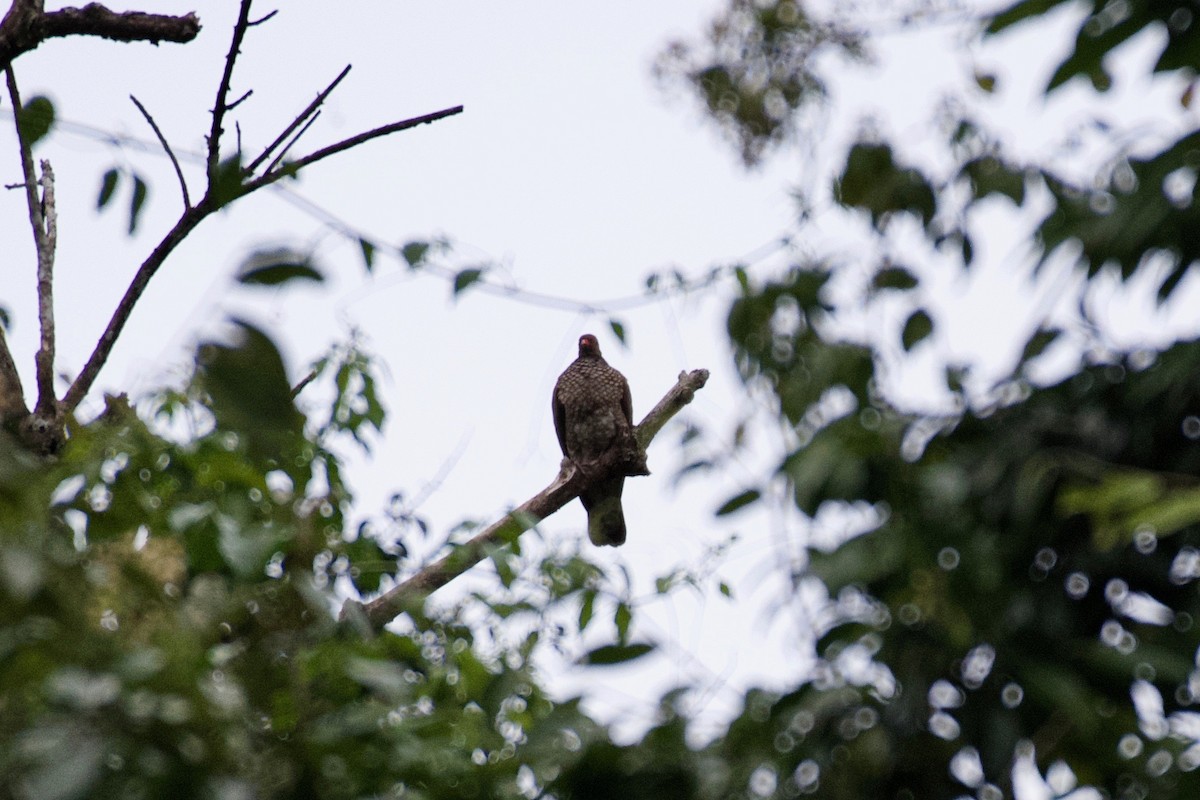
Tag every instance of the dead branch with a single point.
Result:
(187, 202)
(27, 25)
(43, 219)
(297, 122)
(569, 483)
(221, 105)
(292, 167)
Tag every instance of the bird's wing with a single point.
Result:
(560, 419)
(626, 401)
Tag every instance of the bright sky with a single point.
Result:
(579, 176)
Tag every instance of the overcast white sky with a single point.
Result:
(579, 176)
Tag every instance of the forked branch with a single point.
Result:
(568, 485)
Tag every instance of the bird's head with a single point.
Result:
(589, 346)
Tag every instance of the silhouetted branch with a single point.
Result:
(292, 167)
(187, 202)
(297, 122)
(26, 25)
(569, 483)
(43, 219)
(221, 105)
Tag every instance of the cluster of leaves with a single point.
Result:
(758, 69)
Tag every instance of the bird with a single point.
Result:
(593, 412)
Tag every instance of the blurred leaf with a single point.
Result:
(622, 616)
(136, 202)
(1038, 342)
(275, 267)
(108, 185)
(415, 252)
(465, 278)
(918, 327)
(36, 119)
(368, 254)
(738, 502)
(5, 319)
(250, 391)
(618, 329)
(615, 654)
(226, 182)
(988, 175)
(723, 587)
(897, 278)
(872, 181)
(985, 81)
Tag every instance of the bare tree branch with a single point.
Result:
(221, 105)
(188, 221)
(87, 376)
(47, 405)
(43, 219)
(187, 202)
(299, 120)
(293, 167)
(569, 483)
(27, 25)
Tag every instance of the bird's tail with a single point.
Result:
(606, 518)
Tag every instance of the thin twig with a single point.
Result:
(300, 118)
(262, 19)
(283, 152)
(293, 167)
(187, 202)
(569, 483)
(219, 109)
(31, 198)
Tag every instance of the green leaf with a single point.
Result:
(368, 254)
(1019, 12)
(618, 330)
(226, 182)
(276, 267)
(897, 278)
(248, 385)
(1038, 343)
(723, 587)
(108, 185)
(615, 654)
(622, 616)
(985, 81)
(414, 253)
(465, 278)
(873, 181)
(586, 608)
(918, 327)
(36, 119)
(738, 501)
(136, 202)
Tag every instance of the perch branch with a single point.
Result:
(298, 121)
(187, 202)
(27, 25)
(562, 490)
